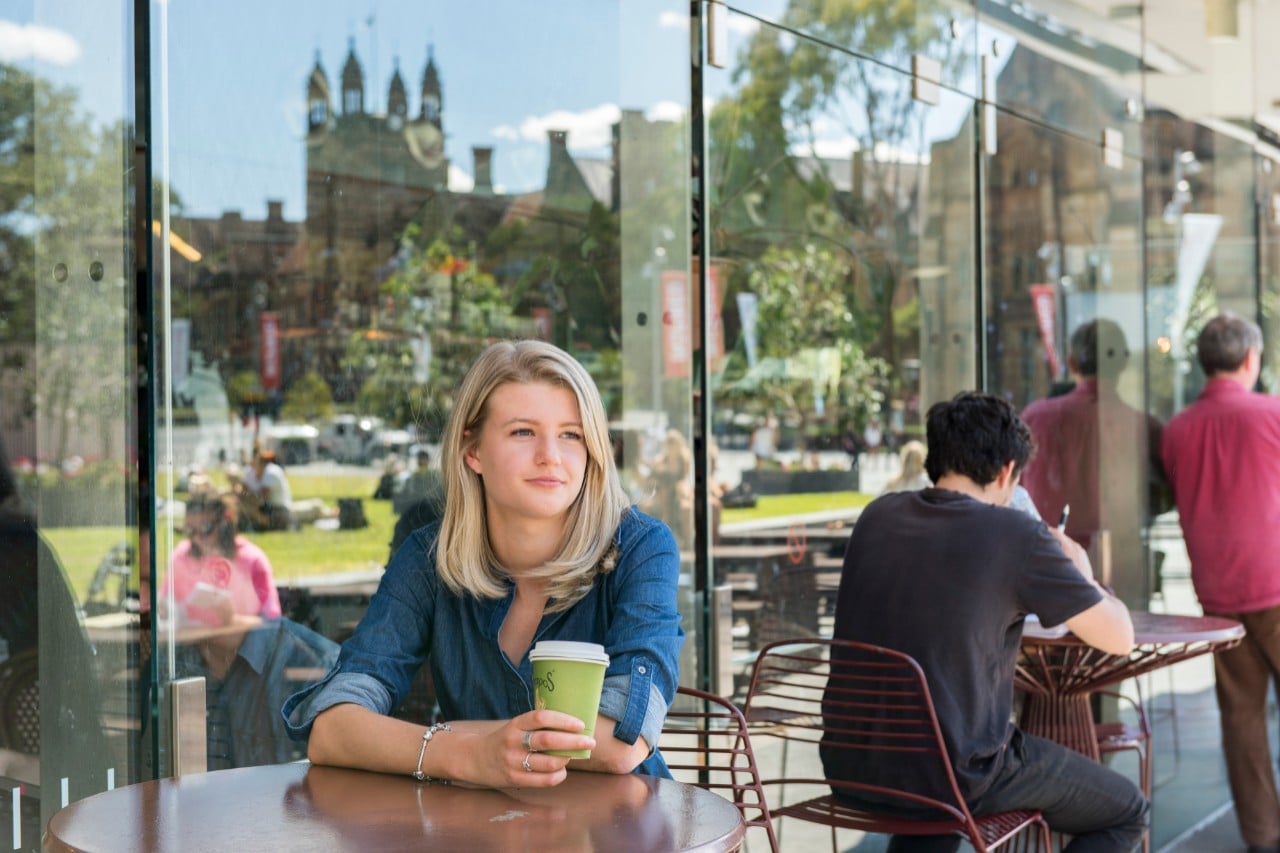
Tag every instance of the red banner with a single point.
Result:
(677, 330)
(715, 352)
(269, 360)
(1044, 298)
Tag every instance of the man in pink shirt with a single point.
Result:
(1222, 457)
(1085, 439)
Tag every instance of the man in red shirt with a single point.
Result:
(1222, 457)
(1086, 438)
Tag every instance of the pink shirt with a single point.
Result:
(1076, 436)
(252, 588)
(1222, 457)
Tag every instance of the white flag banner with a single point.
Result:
(747, 314)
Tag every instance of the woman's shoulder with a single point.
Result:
(416, 556)
(635, 523)
(639, 530)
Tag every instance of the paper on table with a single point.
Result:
(1032, 628)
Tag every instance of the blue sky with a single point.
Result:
(237, 74)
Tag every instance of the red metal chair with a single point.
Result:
(706, 743)
(1121, 736)
(878, 705)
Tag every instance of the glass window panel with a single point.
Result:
(1063, 262)
(69, 609)
(891, 33)
(844, 276)
(357, 207)
(1073, 66)
(1201, 248)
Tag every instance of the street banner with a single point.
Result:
(1044, 299)
(269, 358)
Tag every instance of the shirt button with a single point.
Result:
(641, 669)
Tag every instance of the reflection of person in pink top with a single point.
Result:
(215, 574)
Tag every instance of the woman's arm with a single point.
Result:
(643, 641)
(486, 753)
(610, 754)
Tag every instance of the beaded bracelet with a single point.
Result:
(422, 750)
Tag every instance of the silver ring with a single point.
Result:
(527, 741)
(527, 768)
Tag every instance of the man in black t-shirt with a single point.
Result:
(947, 575)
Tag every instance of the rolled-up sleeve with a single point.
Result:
(644, 637)
(378, 662)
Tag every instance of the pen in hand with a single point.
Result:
(1062, 522)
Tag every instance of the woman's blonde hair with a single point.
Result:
(465, 561)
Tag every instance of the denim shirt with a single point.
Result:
(631, 611)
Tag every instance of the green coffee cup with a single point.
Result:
(567, 677)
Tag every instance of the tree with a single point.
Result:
(808, 320)
(65, 286)
(308, 399)
(444, 311)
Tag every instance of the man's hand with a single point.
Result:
(1075, 553)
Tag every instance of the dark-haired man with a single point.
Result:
(1222, 455)
(947, 575)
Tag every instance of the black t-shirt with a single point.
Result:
(949, 579)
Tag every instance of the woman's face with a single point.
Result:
(202, 527)
(531, 452)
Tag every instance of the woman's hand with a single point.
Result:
(479, 753)
(513, 754)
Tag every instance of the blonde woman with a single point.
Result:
(537, 542)
(912, 476)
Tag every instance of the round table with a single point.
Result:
(1058, 671)
(305, 807)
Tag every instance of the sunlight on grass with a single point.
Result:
(294, 554)
(769, 506)
(298, 554)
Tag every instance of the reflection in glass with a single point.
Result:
(841, 231)
(335, 264)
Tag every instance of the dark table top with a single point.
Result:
(304, 807)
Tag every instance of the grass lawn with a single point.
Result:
(770, 506)
(294, 554)
(312, 551)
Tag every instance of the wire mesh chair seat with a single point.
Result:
(705, 742)
(20, 703)
(874, 705)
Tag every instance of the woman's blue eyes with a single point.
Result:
(572, 435)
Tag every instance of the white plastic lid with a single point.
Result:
(569, 650)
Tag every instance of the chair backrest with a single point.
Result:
(798, 602)
(866, 708)
(20, 703)
(705, 742)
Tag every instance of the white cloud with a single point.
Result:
(742, 24)
(832, 148)
(665, 111)
(460, 181)
(32, 41)
(587, 129)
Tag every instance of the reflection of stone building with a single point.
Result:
(373, 178)
(367, 176)
(244, 267)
